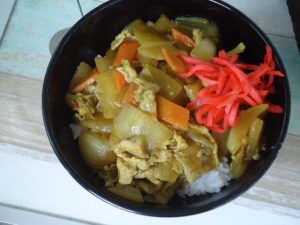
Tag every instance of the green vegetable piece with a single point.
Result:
(205, 49)
(255, 133)
(239, 132)
(189, 23)
(240, 48)
(238, 167)
(163, 24)
(197, 22)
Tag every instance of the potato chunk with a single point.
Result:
(238, 132)
(94, 150)
(148, 36)
(127, 192)
(132, 121)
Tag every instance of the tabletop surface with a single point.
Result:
(33, 184)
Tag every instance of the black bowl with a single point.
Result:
(93, 34)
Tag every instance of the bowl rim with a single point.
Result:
(134, 208)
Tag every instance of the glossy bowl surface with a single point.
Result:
(93, 34)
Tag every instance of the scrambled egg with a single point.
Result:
(120, 38)
(126, 171)
(159, 155)
(134, 146)
(110, 175)
(201, 156)
(83, 104)
(137, 162)
(128, 72)
(149, 175)
(132, 154)
(146, 91)
(145, 95)
(197, 160)
(177, 143)
(167, 163)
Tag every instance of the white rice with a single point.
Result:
(76, 130)
(210, 182)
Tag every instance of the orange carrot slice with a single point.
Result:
(85, 82)
(128, 97)
(174, 62)
(182, 38)
(127, 51)
(172, 113)
(121, 83)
